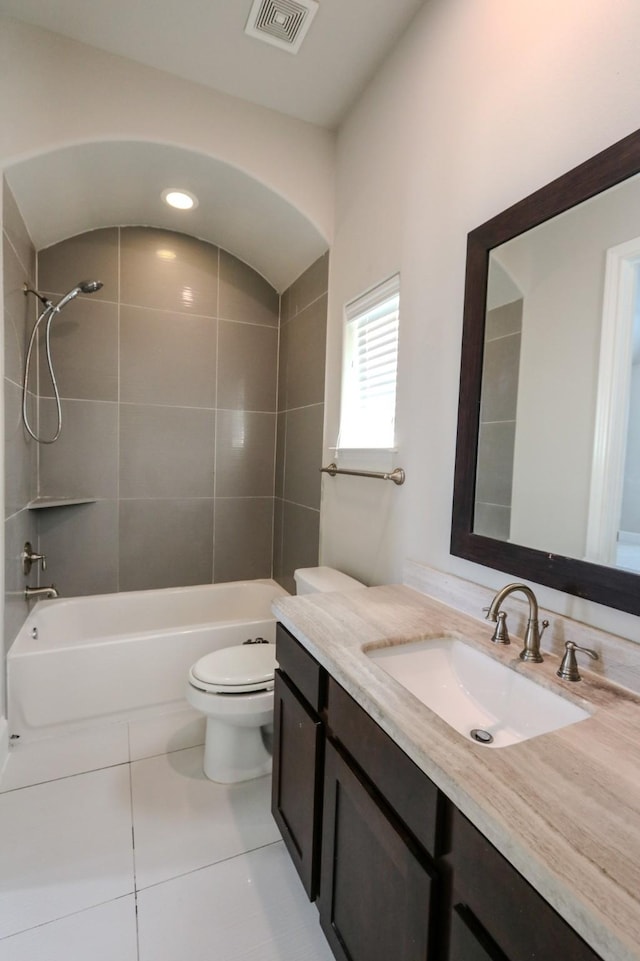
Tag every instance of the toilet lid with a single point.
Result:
(245, 667)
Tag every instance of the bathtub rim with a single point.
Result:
(21, 644)
(44, 662)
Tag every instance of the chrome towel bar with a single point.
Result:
(397, 475)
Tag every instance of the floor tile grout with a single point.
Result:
(91, 770)
(63, 777)
(63, 917)
(133, 851)
(206, 867)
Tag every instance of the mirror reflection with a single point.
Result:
(558, 464)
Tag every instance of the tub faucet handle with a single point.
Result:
(29, 557)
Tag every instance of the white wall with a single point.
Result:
(56, 92)
(479, 105)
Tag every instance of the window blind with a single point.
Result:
(371, 369)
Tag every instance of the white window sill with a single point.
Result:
(365, 458)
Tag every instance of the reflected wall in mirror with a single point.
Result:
(547, 482)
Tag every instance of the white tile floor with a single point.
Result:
(146, 861)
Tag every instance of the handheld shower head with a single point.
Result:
(84, 287)
(89, 286)
(49, 313)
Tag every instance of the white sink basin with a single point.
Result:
(472, 691)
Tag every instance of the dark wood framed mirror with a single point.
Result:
(519, 538)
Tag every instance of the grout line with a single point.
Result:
(297, 312)
(249, 323)
(169, 310)
(135, 907)
(215, 427)
(63, 777)
(9, 380)
(80, 400)
(64, 917)
(238, 497)
(277, 552)
(23, 266)
(118, 464)
(287, 500)
(168, 497)
(133, 848)
(290, 410)
(212, 864)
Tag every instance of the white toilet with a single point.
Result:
(233, 688)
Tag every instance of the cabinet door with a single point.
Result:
(376, 890)
(297, 780)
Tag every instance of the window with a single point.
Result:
(370, 367)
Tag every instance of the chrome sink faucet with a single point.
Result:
(531, 649)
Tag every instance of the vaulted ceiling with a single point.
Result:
(204, 41)
(83, 186)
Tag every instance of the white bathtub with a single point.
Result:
(116, 657)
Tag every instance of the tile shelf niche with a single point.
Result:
(38, 503)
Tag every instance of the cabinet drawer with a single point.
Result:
(411, 794)
(300, 667)
(511, 912)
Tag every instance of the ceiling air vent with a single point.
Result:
(283, 23)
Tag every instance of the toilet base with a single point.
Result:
(233, 754)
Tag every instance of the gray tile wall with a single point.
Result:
(169, 384)
(501, 366)
(303, 326)
(19, 265)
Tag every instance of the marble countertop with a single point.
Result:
(563, 808)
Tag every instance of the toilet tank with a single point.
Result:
(313, 580)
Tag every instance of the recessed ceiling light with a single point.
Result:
(164, 253)
(180, 199)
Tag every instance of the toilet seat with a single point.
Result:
(235, 670)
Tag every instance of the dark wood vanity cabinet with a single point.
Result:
(298, 757)
(379, 885)
(361, 825)
(496, 914)
(398, 872)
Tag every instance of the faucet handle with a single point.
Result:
(501, 634)
(29, 557)
(568, 669)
